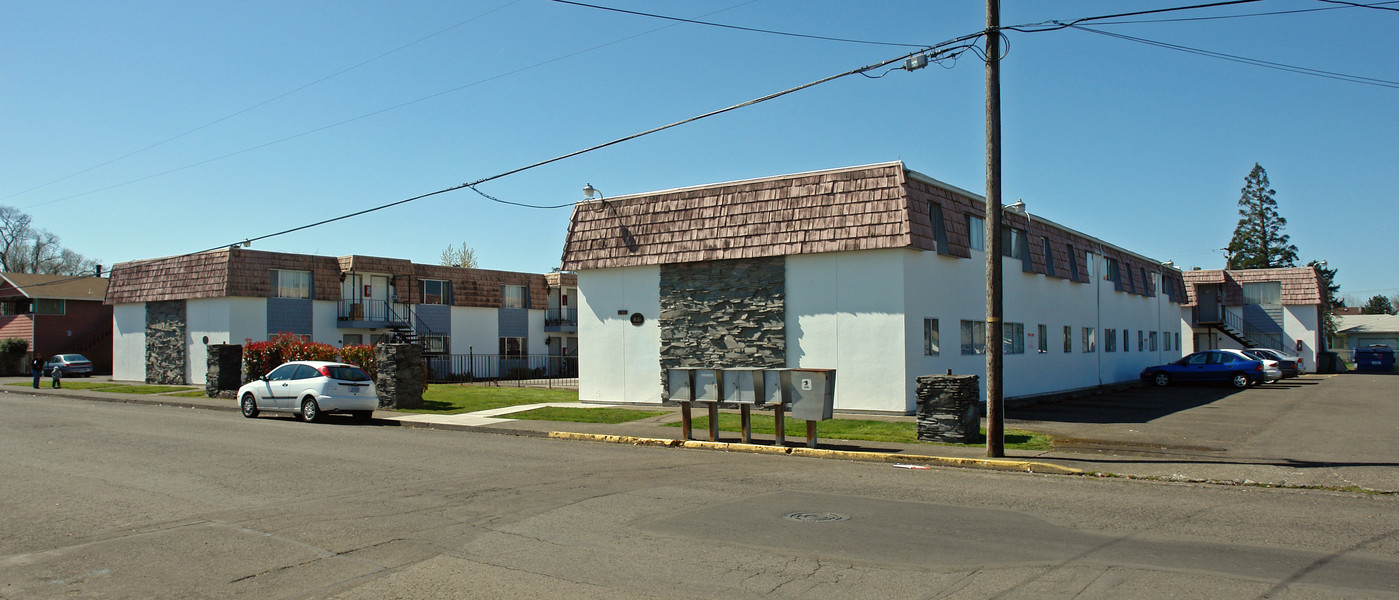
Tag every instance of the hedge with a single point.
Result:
(259, 358)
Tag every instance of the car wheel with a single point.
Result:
(1161, 379)
(309, 410)
(1239, 380)
(249, 405)
(363, 416)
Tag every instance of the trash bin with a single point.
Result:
(812, 392)
(1373, 359)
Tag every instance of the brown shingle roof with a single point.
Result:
(855, 208)
(66, 287)
(245, 273)
(1300, 285)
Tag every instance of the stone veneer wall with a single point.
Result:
(165, 342)
(726, 313)
(949, 409)
(225, 374)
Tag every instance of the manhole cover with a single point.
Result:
(815, 517)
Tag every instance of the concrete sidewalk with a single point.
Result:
(1147, 450)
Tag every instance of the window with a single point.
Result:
(930, 337)
(291, 284)
(976, 233)
(1043, 345)
(1166, 340)
(1088, 261)
(513, 346)
(1178, 341)
(1068, 339)
(1012, 242)
(514, 296)
(433, 291)
(1090, 343)
(973, 337)
(1109, 340)
(437, 344)
(939, 228)
(49, 306)
(1013, 338)
(1141, 341)
(1267, 293)
(352, 339)
(1151, 341)
(1111, 271)
(1147, 280)
(1073, 263)
(1048, 258)
(1126, 340)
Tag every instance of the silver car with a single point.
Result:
(1271, 371)
(310, 389)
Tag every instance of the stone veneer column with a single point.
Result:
(225, 370)
(400, 376)
(165, 342)
(949, 409)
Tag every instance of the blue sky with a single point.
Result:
(291, 112)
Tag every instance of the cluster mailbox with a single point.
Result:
(808, 393)
(811, 392)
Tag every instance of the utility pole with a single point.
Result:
(995, 416)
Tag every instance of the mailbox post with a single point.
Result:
(708, 386)
(682, 390)
(813, 397)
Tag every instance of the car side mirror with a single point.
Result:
(264, 378)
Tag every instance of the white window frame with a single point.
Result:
(292, 284)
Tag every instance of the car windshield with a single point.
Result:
(346, 373)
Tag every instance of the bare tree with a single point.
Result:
(464, 257)
(24, 249)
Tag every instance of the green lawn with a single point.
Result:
(107, 386)
(584, 415)
(867, 430)
(451, 398)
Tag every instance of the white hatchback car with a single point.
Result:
(310, 389)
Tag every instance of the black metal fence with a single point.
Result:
(520, 370)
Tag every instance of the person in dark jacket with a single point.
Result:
(37, 366)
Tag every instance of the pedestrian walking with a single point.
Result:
(57, 377)
(37, 366)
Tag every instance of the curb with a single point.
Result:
(880, 457)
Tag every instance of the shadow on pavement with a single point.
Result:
(1138, 405)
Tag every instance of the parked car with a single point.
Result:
(1291, 366)
(1271, 370)
(310, 389)
(1208, 365)
(70, 364)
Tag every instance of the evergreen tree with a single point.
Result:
(1332, 295)
(1259, 242)
(1377, 305)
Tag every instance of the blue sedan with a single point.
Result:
(1209, 365)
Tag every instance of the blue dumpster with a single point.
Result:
(1374, 359)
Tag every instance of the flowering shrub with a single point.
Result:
(361, 356)
(261, 357)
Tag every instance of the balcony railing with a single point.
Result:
(521, 370)
(368, 311)
(561, 317)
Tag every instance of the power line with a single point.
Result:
(1245, 60)
(736, 27)
(1053, 25)
(1240, 16)
(370, 114)
(252, 107)
(932, 52)
(1375, 6)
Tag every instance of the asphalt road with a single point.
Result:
(114, 501)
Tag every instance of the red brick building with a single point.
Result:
(58, 314)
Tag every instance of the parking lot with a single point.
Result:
(1326, 430)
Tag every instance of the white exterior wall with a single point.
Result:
(1299, 322)
(129, 342)
(224, 321)
(620, 362)
(475, 330)
(247, 320)
(845, 311)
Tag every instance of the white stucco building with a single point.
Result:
(875, 271)
(167, 310)
(1279, 308)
